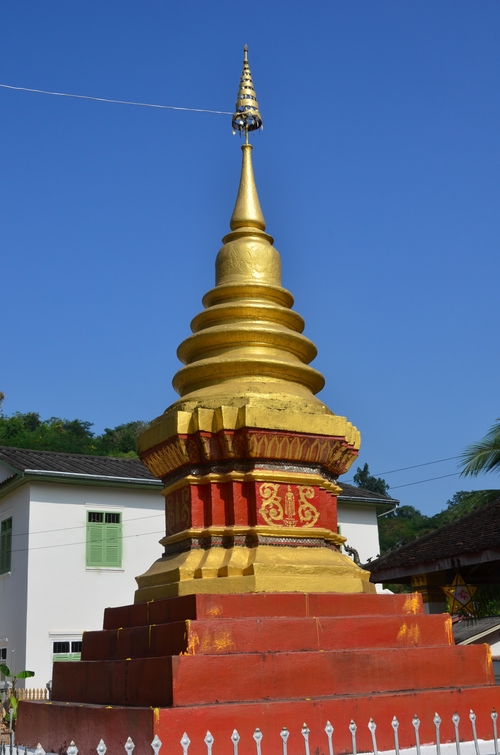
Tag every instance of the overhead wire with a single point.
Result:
(82, 526)
(116, 102)
(429, 479)
(416, 466)
(425, 464)
(413, 466)
(80, 542)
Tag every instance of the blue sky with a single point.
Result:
(378, 173)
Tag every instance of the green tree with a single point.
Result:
(54, 434)
(28, 430)
(364, 479)
(121, 440)
(11, 682)
(401, 526)
(464, 502)
(483, 456)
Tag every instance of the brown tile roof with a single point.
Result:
(466, 629)
(25, 459)
(474, 533)
(352, 492)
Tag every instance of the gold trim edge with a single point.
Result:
(257, 475)
(317, 533)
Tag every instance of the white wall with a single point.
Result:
(359, 525)
(493, 639)
(13, 585)
(64, 596)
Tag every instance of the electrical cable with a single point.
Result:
(413, 466)
(116, 102)
(429, 479)
(82, 526)
(80, 542)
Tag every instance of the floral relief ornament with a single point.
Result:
(274, 512)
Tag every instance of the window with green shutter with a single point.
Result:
(5, 545)
(66, 650)
(104, 539)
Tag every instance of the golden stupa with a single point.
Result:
(248, 412)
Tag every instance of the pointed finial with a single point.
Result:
(247, 212)
(247, 116)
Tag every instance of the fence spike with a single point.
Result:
(284, 734)
(437, 724)
(416, 726)
(395, 726)
(305, 733)
(329, 733)
(235, 738)
(209, 741)
(353, 729)
(101, 748)
(257, 735)
(372, 726)
(72, 748)
(456, 720)
(185, 742)
(494, 716)
(129, 746)
(156, 744)
(472, 717)
(39, 750)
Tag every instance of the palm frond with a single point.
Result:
(483, 456)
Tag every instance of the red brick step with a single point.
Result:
(205, 679)
(257, 635)
(260, 605)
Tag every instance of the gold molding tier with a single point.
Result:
(256, 475)
(265, 568)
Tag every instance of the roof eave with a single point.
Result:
(74, 478)
(441, 564)
(391, 503)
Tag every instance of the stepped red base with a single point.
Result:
(56, 724)
(221, 662)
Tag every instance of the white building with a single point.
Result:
(468, 631)
(76, 530)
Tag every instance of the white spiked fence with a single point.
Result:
(182, 748)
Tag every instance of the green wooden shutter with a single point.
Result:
(95, 544)
(66, 657)
(5, 545)
(59, 657)
(112, 545)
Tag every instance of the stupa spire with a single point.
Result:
(247, 341)
(247, 211)
(247, 116)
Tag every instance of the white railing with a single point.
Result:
(462, 745)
